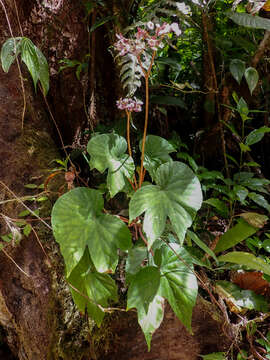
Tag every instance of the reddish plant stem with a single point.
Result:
(145, 127)
(146, 75)
(144, 240)
(128, 133)
(134, 185)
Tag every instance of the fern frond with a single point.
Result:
(130, 73)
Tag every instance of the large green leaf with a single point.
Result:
(43, 71)
(248, 20)
(143, 288)
(256, 135)
(178, 284)
(142, 295)
(92, 288)
(202, 245)
(151, 320)
(177, 195)
(246, 259)
(8, 52)
(260, 200)
(36, 63)
(235, 235)
(157, 152)
(77, 221)
(252, 78)
(134, 261)
(219, 205)
(237, 69)
(108, 151)
(29, 57)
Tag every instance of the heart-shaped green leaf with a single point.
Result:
(151, 320)
(77, 221)
(86, 282)
(36, 63)
(143, 288)
(177, 195)
(157, 152)
(252, 78)
(8, 52)
(108, 151)
(32, 57)
(134, 261)
(237, 69)
(178, 283)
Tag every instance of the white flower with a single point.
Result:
(185, 9)
(175, 29)
(150, 25)
(129, 104)
(163, 29)
(153, 43)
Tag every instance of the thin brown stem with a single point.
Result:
(23, 204)
(10, 258)
(17, 16)
(40, 244)
(55, 124)
(110, 309)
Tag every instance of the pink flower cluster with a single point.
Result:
(129, 104)
(144, 39)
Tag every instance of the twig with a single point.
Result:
(108, 310)
(23, 204)
(10, 258)
(40, 244)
